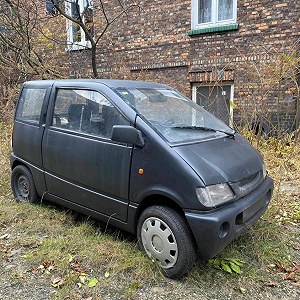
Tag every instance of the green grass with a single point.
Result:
(74, 248)
(79, 249)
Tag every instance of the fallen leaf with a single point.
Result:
(4, 236)
(83, 279)
(48, 264)
(58, 282)
(238, 262)
(232, 104)
(296, 267)
(215, 263)
(271, 283)
(34, 271)
(50, 268)
(92, 282)
(77, 267)
(235, 267)
(225, 267)
(291, 276)
(70, 257)
(280, 267)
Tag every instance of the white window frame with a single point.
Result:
(230, 83)
(214, 11)
(71, 44)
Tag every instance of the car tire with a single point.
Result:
(23, 186)
(165, 237)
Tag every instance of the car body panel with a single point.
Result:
(222, 160)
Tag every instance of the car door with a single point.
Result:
(28, 129)
(82, 164)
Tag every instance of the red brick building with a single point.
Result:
(237, 58)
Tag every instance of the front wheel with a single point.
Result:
(166, 238)
(23, 186)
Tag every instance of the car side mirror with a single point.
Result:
(127, 134)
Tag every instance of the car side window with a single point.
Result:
(30, 105)
(86, 111)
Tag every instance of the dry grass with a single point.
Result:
(282, 159)
(59, 244)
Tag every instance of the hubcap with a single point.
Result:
(23, 188)
(159, 242)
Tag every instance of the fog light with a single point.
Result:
(224, 229)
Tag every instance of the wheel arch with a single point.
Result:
(23, 185)
(157, 199)
(17, 162)
(37, 174)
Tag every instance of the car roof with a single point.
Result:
(112, 83)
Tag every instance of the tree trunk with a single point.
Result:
(94, 61)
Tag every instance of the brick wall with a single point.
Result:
(153, 44)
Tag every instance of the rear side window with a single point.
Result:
(30, 105)
(87, 112)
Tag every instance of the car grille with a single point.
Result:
(246, 185)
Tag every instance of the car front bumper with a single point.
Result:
(213, 231)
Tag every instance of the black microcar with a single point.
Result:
(142, 157)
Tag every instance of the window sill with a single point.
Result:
(216, 28)
(78, 46)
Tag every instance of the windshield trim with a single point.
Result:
(204, 128)
(208, 139)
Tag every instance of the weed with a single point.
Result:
(59, 244)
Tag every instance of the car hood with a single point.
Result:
(222, 160)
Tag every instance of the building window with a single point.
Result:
(79, 10)
(50, 8)
(212, 13)
(216, 99)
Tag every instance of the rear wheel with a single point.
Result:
(166, 238)
(23, 186)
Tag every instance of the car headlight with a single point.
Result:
(215, 195)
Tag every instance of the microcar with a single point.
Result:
(142, 157)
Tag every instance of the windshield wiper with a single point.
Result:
(231, 134)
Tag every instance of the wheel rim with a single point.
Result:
(22, 188)
(159, 242)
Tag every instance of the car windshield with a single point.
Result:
(173, 116)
